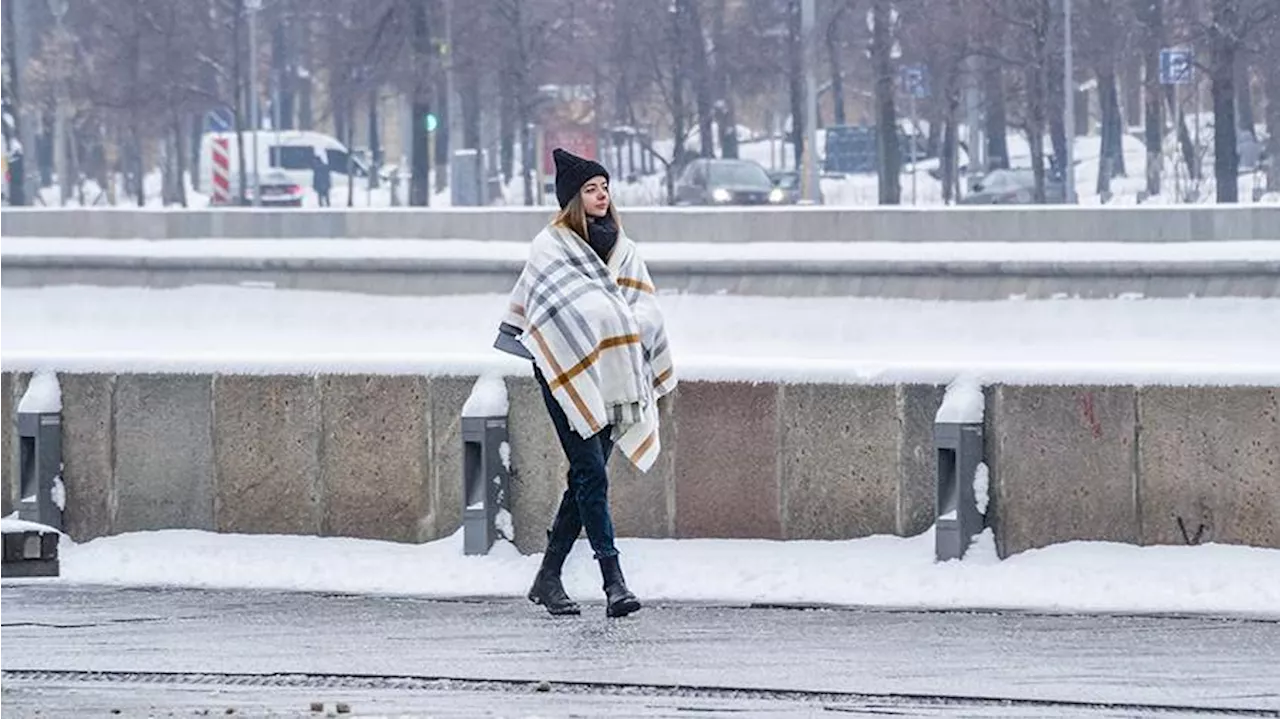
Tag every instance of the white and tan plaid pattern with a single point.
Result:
(596, 333)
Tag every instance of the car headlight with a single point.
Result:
(777, 195)
(721, 195)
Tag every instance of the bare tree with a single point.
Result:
(1150, 14)
(1269, 53)
(1105, 25)
(890, 161)
(840, 11)
(1231, 23)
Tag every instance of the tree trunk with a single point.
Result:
(1035, 126)
(506, 126)
(1105, 159)
(795, 79)
(13, 105)
(420, 180)
(281, 73)
(996, 118)
(179, 141)
(302, 77)
(375, 142)
(728, 114)
(890, 162)
(1226, 162)
(1272, 81)
(443, 131)
(1131, 84)
(701, 79)
(1111, 155)
(677, 95)
(833, 56)
(530, 156)
(950, 151)
(1055, 66)
(1189, 156)
(933, 143)
(1244, 95)
(728, 125)
(341, 121)
(349, 140)
(470, 107)
(1151, 14)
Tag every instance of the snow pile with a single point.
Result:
(505, 525)
(488, 398)
(13, 525)
(59, 493)
(982, 487)
(43, 394)
(880, 571)
(963, 403)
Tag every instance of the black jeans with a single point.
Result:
(586, 500)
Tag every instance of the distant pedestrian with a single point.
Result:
(586, 312)
(321, 179)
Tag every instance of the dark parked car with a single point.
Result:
(728, 182)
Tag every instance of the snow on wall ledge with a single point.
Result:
(1065, 462)
(1227, 341)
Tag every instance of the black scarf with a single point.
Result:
(602, 235)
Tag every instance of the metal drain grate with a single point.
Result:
(831, 700)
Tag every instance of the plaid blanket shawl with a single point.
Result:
(596, 333)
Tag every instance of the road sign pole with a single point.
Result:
(1177, 67)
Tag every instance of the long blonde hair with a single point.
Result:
(574, 216)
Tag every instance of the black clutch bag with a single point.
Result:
(508, 341)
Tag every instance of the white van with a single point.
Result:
(289, 151)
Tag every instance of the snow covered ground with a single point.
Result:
(880, 571)
(1229, 340)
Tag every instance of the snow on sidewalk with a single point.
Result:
(879, 571)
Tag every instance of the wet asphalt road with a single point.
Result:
(78, 651)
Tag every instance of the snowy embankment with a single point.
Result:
(229, 329)
(878, 571)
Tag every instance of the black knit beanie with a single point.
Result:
(572, 172)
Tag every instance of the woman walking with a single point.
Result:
(586, 312)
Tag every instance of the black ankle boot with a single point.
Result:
(547, 588)
(621, 601)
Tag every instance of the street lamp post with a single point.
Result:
(254, 6)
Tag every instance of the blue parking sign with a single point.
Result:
(1177, 66)
(915, 81)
